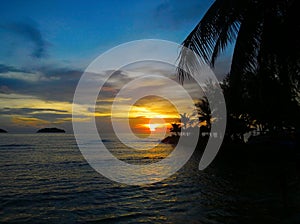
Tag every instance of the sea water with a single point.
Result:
(45, 179)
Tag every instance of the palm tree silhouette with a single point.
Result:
(251, 23)
(175, 128)
(204, 111)
(185, 120)
(266, 35)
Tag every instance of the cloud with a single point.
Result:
(44, 95)
(26, 111)
(7, 68)
(5, 89)
(28, 77)
(10, 72)
(48, 82)
(29, 122)
(34, 117)
(30, 32)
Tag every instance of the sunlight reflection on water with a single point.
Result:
(44, 178)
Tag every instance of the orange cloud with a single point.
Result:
(29, 121)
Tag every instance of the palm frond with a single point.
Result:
(227, 36)
(246, 48)
(210, 37)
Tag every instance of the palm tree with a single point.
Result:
(204, 112)
(265, 34)
(185, 120)
(175, 128)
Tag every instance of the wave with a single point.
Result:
(15, 145)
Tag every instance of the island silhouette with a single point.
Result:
(51, 130)
(3, 131)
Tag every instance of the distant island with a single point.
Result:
(2, 131)
(173, 140)
(51, 130)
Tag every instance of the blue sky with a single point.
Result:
(46, 45)
(74, 32)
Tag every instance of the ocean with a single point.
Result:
(45, 179)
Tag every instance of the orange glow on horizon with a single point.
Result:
(156, 126)
(153, 127)
(152, 114)
(144, 125)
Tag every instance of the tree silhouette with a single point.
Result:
(185, 120)
(204, 111)
(175, 128)
(265, 67)
(189, 123)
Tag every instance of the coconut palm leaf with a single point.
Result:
(255, 26)
(211, 36)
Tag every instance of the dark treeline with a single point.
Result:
(262, 88)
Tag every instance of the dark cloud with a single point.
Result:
(64, 73)
(61, 86)
(53, 84)
(27, 111)
(30, 32)
(5, 89)
(7, 68)
(46, 114)
(51, 117)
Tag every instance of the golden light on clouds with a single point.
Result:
(29, 121)
(152, 114)
(27, 101)
(148, 114)
(27, 110)
(153, 107)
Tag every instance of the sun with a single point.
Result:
(153, 127)
(151, 115)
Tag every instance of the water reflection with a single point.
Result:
(45, 179)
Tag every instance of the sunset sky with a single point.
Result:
(46, 45)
